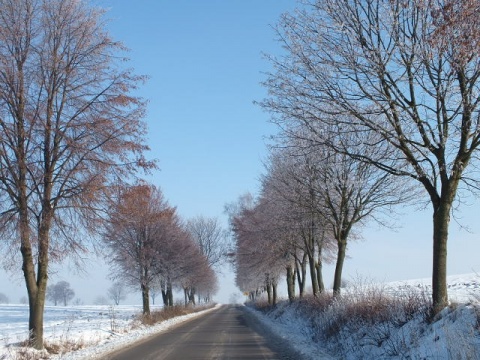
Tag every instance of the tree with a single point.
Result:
(260, 260)
(407, 72)
(60, 292)
(69, 127)
(117, 292)
(4, 299)
(210, 238)
(100, 300)
(139, 224)
(293, 180)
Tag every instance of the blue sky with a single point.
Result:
(204, 62)
(205, 66)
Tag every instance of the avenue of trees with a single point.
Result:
(71, 135)
(151, 249)
(376, 101)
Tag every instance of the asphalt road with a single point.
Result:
(228, 332)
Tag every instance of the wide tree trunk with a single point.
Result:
(441, 219)
(36, 283)
(291, 282)
(170, 294)
(337, 279)
(165, 297)
(269, 292)
(191, 296)
(145, 299)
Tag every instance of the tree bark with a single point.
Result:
(165, 297)
(441, 219)
(301, 271)
(337, 280)
(313, 275)
(269, 292)
(318, 268)
(169, 294)
(145, 300)
(274, 293)
(291, 282)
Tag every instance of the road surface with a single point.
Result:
(228, 332)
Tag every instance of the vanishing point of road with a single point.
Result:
(227, 332)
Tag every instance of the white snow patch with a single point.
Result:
(103, 329)
(453, 334)
(97, 330)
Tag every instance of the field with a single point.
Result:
(81, 332)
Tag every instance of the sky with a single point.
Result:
(205, 65)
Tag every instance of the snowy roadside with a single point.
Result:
(92, 334)
(293, 330)
(382, 321)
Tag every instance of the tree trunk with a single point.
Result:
(191, 296)
(301, 270)
(145, 299)
(274, 293)
(441, 219)
(170, 294)
(164, 297)
(36, 287)
(291, 283)
(321, 285)
(313, 275)
(337, 281)
(269, 292)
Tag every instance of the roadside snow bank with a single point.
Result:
(382, 321)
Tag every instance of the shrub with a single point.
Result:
(169, 313)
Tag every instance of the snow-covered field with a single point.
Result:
(100, 329)
(453, 334)
(94, 330)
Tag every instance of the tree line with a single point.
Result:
(377, 104)
(72, 143)
(151, 248)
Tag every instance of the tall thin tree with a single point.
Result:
(69, 125)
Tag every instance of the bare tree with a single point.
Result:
(69, 126)
(100, 300)
(260, 261)
(292, 179)
(4, 299)
(117, 292)
(60, 292)
(407, 72)
(140, 221)
(210, 238)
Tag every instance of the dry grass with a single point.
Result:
(364, 315)
(169, 313)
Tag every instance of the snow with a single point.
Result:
(95, 330)
(98, 330)
(452, 334)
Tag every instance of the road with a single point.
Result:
(228, 332)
